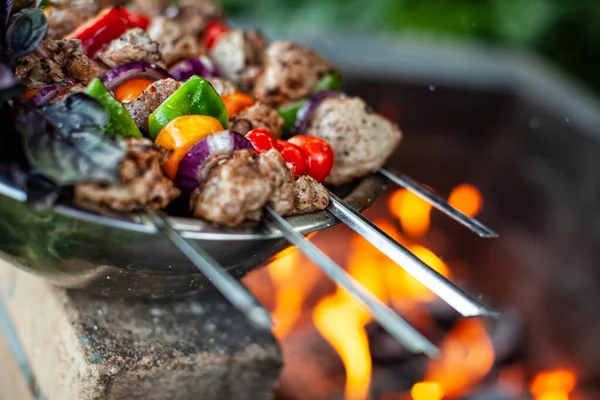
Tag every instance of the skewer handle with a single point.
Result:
(438, 202)
(438, 284)
(233, 290)
(389, 320)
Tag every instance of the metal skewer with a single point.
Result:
(389, 320)
(233, 290)
(438, 202)
(438, 284)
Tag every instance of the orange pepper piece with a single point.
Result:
(181, 134)
(30, 93)
(236, 103)
(130, 90)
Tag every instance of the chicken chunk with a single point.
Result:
(143, 182)
(152, 97)
(134, 45)
(361, 139)
(238, 54)
(67, 61)
(258, 115)
(238, 189)
(174, 43)
(309, 195)
(290, 73)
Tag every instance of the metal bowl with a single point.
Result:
(126, 256)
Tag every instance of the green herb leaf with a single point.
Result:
(66, 142)
(26, 32)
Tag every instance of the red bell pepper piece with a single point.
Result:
(107, 26)
(214, 30)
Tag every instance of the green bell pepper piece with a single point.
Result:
(120, 122)
(289, 113)
(330, 81)
(195, 97)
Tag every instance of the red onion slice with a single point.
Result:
(201, 66)
(49, 92)
(206, 154)
(306, 112)
(137, 69)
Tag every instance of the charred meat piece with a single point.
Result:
(238, 189)
(64, 15)
(68, 62)
(150, 7)
(134, 45)
(143, 182)
(361, 139)
(238, 55)
(258, 115)
(174, 43)
(222, 86)
(66, 91)
(290, 73)
(309, 195)
(192, 15)
(154, 95)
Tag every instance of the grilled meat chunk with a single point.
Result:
(361, 139)
(258, 115)
(309, 195)
(222, 86)
(144, 183)
(193, 15)
(150, 7)
(64, 15)
(68, 62)
(66, 91)
(152, 97)
(174, 43)
(238, 189)
(238, 54)
(290, 73)
(134, 45)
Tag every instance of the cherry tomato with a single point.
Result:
(294, 159)
(262, 140)
(318, 154)
(213, 31)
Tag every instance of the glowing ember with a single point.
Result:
(553, 385)
(467, 357)
(413, 212)
(427, 391)
(467, 199)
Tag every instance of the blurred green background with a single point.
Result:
(567, 32)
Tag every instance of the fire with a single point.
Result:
(467, 357)
(553, 385)
(413, 212)
(466, 199)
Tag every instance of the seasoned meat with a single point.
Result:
(310, 196)
(290, 73)
(174, 43)
(192, 15)
(259, 115)
(64, 15)
(154, 95)
(361, 139)
(66, 91)
(134, 45)
(237, 54)
(238, 189)
(150, 7)
(143, 182)
(68, 62)
(222, 86)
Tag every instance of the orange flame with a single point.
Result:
(466, 199)
(553, 385)
(413, 212)
(467, 357)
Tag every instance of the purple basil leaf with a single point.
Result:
(5, 11)
(26, 32)
(9, 86)
(66, 142)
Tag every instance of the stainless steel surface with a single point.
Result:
(389, 320)
(230, 288)
(438, 202)
(438, 284)
(123, 255)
